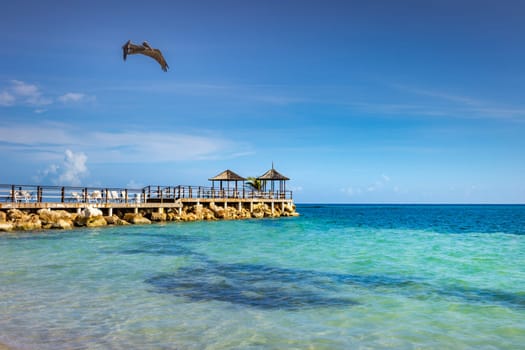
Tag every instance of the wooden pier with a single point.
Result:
(149, 198)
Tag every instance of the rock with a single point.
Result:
(90, 217)
(121, 222)
(115, 220)
(258, 214)
(188, 217)
(57, 219)
(28, 223)
(207, 214)
(15, 214)
(96, 221)
(62, 224)
(158, 216)
(111, 220)
(90, 212)
(136, 219)
(3, 217)
(217, 211)
(6, 227)
(172, 216)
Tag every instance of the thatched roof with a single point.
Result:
(272, 174)
(227, 175)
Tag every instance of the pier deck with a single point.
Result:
(32, 197)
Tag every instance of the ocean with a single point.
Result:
(337, 277)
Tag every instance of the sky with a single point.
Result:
(355, 101)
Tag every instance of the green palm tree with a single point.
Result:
(253, 183)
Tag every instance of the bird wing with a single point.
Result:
(131, 49)
(125, 49)
(157, 56)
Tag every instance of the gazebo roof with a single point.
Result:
(227, 175)
(272, 174)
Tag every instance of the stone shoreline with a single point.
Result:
(25, 220)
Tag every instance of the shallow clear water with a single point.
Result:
(338, 277)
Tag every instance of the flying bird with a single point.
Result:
(145, 49)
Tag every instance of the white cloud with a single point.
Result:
(69, 172)
(377, 186)
(49, 139)
(6, 99)
(18, 92)
(28, 93)
(351, 191)
(73, 168)
(134, 184)
(75, 97)
(71, 97)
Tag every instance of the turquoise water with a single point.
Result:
(338, 277)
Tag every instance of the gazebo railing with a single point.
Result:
(202, 192)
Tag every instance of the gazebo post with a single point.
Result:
(273, 175)
(228, 176)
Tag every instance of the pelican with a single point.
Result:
(145, 49)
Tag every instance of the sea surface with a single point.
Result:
(338, 277)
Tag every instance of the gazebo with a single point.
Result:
(226, 176)
(273, 176)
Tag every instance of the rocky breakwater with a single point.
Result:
(213, 212)
(18, 220)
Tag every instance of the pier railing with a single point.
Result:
(69, 194)
(148, 194)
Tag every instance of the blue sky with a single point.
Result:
(355, 101)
